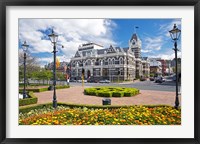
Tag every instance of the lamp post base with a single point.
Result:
(176, 107)
(24, 95)
(55, 103)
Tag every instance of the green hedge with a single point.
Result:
(118, 94)
(44, 89)
(111, 91)
(35, 89)
(31, 100)
(128, 94)
(62, 86)
(26, 109)
(104, 94)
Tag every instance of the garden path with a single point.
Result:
(75, 95)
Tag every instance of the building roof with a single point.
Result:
(144, 58)
(134, 36)
(125, 49)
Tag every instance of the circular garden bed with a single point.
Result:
(111, 91)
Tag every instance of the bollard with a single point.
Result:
(106, 101)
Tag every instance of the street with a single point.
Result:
(168, 85)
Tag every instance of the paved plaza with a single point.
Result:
(75, 95)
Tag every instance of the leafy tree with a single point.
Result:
(31, 66)
(60, 76)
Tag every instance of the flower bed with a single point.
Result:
(111, 91)
(134, 115)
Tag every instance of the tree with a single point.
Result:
(31, 65)
(60, 76)
(43, 75)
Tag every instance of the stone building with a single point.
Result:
(112, 63)
(155, 67)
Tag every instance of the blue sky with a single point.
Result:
(156, 41)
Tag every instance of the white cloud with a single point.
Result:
(46, 59)
(168, 56)
(153, 43)
(72, 33)
(145, 51)
(158, 42)
(165, 28)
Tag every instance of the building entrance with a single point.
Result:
(88, 74)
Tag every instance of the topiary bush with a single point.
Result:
(111, 91)
(117, 94)
(31, 100)
(44, 89)
(104, 94)
(128, 94)
(62, 86)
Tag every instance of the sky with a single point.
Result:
(154, 34)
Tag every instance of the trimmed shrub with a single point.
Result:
(28, 108)
(128, 94)
(111, 91)
(62, 86)
(104, 94)
(118, 94)
(32, 100)
(44, 89)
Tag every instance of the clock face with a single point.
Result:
(133, 42)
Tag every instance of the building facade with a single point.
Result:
(112, 63)
(155, 67)
(164, 66)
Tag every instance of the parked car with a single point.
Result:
(151, 78)
(72, 80)
(143, 78)
(159, 80)
(104, 81)
(91, 80)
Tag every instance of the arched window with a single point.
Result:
(100, 62)
(93, 62)
(77, 63)
(113, 61)
(88, 62)
(109, 61)
(121, 61)
(103, 62)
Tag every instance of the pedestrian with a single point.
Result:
(68, 81)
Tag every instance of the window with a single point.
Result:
(113, 61)
(109, 61)
(88, 62)
(121, 60)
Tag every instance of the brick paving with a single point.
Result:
(75, 95)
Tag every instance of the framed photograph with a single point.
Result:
(99, 71)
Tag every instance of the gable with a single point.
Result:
(77, 54)
(111, 49)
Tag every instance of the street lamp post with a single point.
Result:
(175, 34)
(53, 37)
(25, 48)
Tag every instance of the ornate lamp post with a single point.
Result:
(175, 34)
(53, 37)
(25, 48)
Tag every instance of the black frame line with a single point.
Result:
(5, 3)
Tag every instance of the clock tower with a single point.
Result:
(135, 45)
